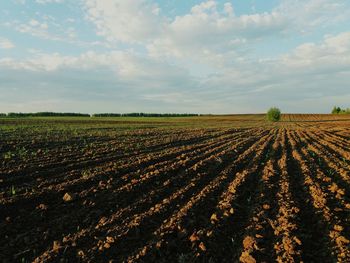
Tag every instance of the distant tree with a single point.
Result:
(106, 115)
(274, 114)
(143, 114)
(335, 110)
(46, 114)
(338, 110)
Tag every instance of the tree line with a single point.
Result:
(142, 114)
(338, 110)
(44, 114)
(72, 114)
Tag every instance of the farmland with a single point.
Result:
(194, 189)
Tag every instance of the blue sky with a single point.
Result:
(174, 56)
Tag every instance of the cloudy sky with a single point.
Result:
(195, 56)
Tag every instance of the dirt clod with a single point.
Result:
(68, 197)
(194, 237)
(56, 246)
(246, 258)
(42, 207)
(249, 243)
(202, 247)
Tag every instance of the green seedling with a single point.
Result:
(86, 173)
(9, 155)
(23, 153)
(12, 190)
(331, 172)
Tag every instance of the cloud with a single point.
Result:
(130, 21)
(210, 31)
(138, 71)
(6, 43)
(22, 2)
(32, 27)
(116, 81)
(210, 37)
(208, 59)
(48, 29)
(305, 16)
(205, 27)
(332, 54)
(310, 72)
(306, 75)
(208, 27)
(43, 2)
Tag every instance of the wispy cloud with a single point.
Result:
(211, 58)
(6, 43)
(48, 1)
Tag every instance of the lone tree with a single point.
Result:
(274, 114)
(336, 110)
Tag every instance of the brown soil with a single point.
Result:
(246, 190)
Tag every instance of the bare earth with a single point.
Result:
(204, 189)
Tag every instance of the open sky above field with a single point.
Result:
(174, 56)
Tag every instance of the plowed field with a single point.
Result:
(206, 189)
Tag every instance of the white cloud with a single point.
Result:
(43, 2)
(339, 43)
(46, 29)
(205, 26)
(206, 59)
(307, 74)
(32, 27)
(33, 22)
(70, 20)
(119, 76)
(209, 27)
(228, 8)
(127, 21)
(313, 14)
(125, 64)
(204, 7)
(6, 43)
(22, 2)
(207, 30)
(310, 72)
(332, 53)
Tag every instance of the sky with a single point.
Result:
(217, 57)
